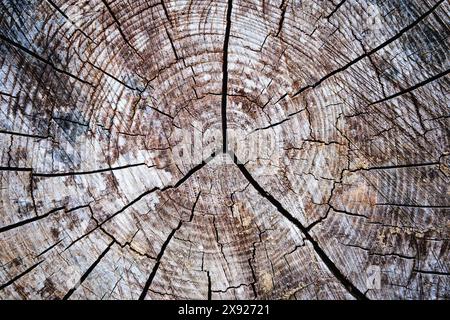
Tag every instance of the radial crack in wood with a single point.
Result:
(224, 149)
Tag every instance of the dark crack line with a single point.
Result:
(36, 218)
(42, 59)
(119, 27)
(400, 166)
(253, 283)
(369, 53)
(49, 248)
(220, 244)
(76, 173)
(271, 125)
(16, 169)
(163, 249)
(412, 88)
(8, 95)
(156, 266)
(283, 13)
(225, 76)
(88, 271)
(166, 12)
(3, 286)
(232, 287)
(209, 286)
(437, 273)
(426, 206)
(79, 173)
(115, 78)
(191, 172)
(68, 19)
(288, 118)
(162, 112)
(351, 288)
(371, 252)
(131, 203)
(27, 135)
(335, 9)
(172, 45)
(331, 207)
(30, 220)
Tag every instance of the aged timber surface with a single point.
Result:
(224, 149)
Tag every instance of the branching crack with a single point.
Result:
(412, 88)
(163, 249)
(88, 271)
(135, 200)
(351, 288)
(119, 27)
(374, 50)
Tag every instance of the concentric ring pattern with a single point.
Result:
(224, 149)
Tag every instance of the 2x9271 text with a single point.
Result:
(245, 309)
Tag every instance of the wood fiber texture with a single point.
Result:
(224, 149)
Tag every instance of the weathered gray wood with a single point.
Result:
(349, 199)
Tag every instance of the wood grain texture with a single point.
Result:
(322, 170)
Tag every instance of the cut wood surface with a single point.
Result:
(224, 149)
